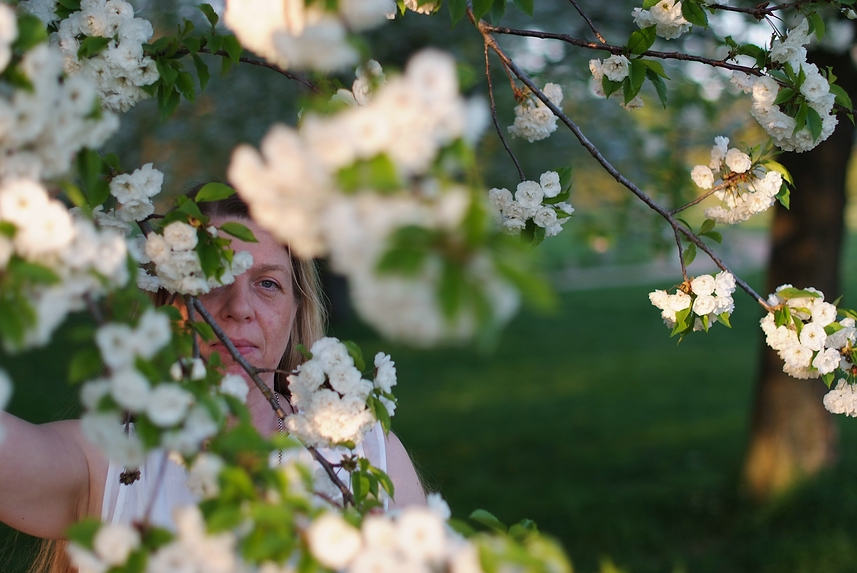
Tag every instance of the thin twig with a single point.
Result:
(255, 62)
(266, 392)
(699, 199)
(616, 50)
(680, 254)
(485, 30)
(761, 11)
(588, 21)
(93, 309)
(497, 121)
(191, 317)
(347, 496)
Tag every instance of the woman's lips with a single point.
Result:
(244, 347)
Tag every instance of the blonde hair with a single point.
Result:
(307, 327)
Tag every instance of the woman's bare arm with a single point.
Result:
(409, 490)
(50, 476)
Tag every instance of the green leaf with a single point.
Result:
(649, 3)
(192, 44)
(816, 24)
(481, 7)
(215, 42)
(238, 231)
(356, 354)
(689, 253)
(814, 120)
(188, 207)
(784, 196)
(636, 76)
(210, 14)
(168, 103)
(84, 364)
(202, 72)
(204, 330)
(83, 532)
(498, 8)
(714, 236)
(842, 97)
(31, 32)
(656, 67)
(791, 292)
(660, 86)
(32, 272)
(525, 6)
(784, 95)
(832, 327)
(828, 378)
(214, 191)
(641, 40)
(457, 9)
(451, 288)
(609, 86)
(488, 520)
(303, 350)
(800, 117)
(232, 47)
(694, 13)
(724, 318)
(707, 225)
(225, 66)
(92, 45)
(184, 83)
(779, 167)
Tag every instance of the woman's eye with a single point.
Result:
(269, 284)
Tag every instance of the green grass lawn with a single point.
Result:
(596, 425)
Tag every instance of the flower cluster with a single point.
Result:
(47, 122)
(532, 201)
(615, 68)
(707, 297)
(369, 77)
(743, 188)
(805, 333)
(295, 34)
(533, 120)
(120, 68)
(80, 258)
(331, 396)
(416, 539)
(177, 264)
(812, 88)
(5, 394)
(407, 121)
(134, 191)
(665, 16)
(842, 399)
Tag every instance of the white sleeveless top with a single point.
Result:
(129, 503)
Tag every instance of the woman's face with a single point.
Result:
(257, 311)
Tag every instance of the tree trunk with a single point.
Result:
(792, 435)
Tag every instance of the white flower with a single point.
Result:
(545, 217)
(152, 333)
(438, 505)
(724, 283)
(117, 345)
(813, 336)
(235, 385)
(130, 389)
(718, 152)
(703, 285)
(420, 534)
(704, 304)
(202, 478)
(738, 161)
(702, 176)
(180, 236)
(823, 313)
(333, 541)
(616, 68)
(500, 198)
(168, 404)
(797, 356)
(529, 194)
(550, 183)
(680, 301)
(826, 361)
(385, 372)
(114, 543)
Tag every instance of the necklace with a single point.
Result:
(280, 429)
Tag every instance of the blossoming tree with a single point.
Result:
(380, 179)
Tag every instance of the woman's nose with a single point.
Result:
(234, 302)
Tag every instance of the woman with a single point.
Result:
(58, 477)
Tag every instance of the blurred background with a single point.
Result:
(630, 449)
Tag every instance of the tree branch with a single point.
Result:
(347, 496)
(496, 121)
(485, 30)
(191, 317)
(680, 254)
(762, 10)
(588, 21)
(616, 50)
(251, 371)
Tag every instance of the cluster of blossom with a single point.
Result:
(742, 196)
(5, 394)
(706, 296)
(534, 121)
(330, 395)
(369, 76)
(121, 68)
(665, 16)
(408, 120)
(842, 399)
(87, 260)
(177, 263)
(417, 539)
(813, 343)
(295, 34)
(815, 89)
(134, 191)
(616, 70)
(44, 127)
(512, 213)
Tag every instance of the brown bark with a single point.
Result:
(792, 436)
